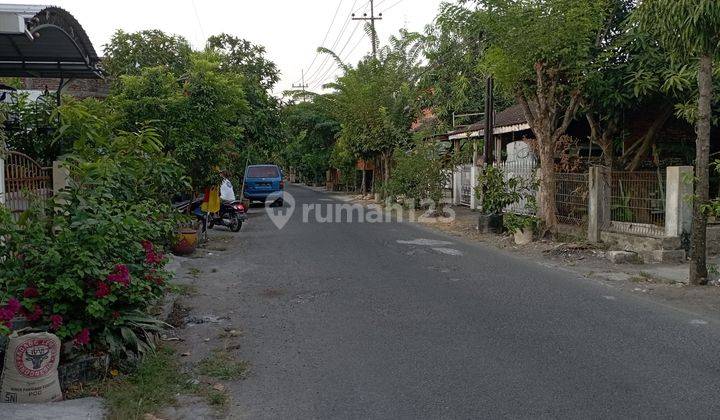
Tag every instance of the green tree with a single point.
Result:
(692, 28)
(129, 53)
(375, 102)
(453, 47)
(261, 126)
(244, 57)
(31, 128)
(200, 117)
(311, 133)
(538, 52)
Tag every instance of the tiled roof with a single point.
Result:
(510, 116)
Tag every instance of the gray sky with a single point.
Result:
(291, 30)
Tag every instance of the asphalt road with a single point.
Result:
(390, 320)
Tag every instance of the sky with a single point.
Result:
(290, 30)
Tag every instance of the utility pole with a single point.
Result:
(489, 151)
(372, 18)
(302, 86)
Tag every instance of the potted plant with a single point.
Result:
(495, 193)
(521, 226)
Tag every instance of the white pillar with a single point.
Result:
(60, 177)
(678, 206)
(456, 185)
(473, 186)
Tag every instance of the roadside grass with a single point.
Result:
(153, 386)
(156, 384)
(186, 290)
(222, 365)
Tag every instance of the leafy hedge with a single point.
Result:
(87, 263)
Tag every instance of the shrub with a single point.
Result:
(418, 174)
(87, 263)
(496, 193)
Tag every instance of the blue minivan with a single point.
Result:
(262, 181)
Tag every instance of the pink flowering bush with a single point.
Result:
(88, 273)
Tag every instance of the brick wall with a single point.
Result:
(78, 88)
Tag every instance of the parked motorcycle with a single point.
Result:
(232, 214)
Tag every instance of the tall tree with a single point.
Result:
(692, 28)
(311, 134)
(129, 53)
(453, 47)
(375, 101)
(538, 52)
(262, 133)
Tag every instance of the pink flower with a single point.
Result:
(36, 314)
(56, 322)
(83, 337)
(31, 292)
(6, 314)
(120, 274)
(102, 290)
(147, 246)
(13, 305)
(116, 314)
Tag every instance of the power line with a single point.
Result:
(393, 5)
(197, 19)
(302, 86)
(372, 20)
(337, 40)
(318, 80)
(332, 23)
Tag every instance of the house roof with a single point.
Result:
(50, 44)
(510, 117)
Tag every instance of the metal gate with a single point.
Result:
(465, 184)
(25, 180)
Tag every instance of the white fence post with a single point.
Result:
(678, 206)
(473, 186)
(457, 187)
(60, 176)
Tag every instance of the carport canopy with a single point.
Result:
(44, 41)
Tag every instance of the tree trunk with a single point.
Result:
(647, 141)
(363, 181)
(603, 137)
(547, 206)
(698, 262)
(386, 172)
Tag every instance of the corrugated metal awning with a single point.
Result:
(53, 45)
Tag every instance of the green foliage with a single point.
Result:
(156, 384)
(375, 101)
(311, 133)
(261, 135)
(130, 53)
(418, 174)
(30, 128)
(343, 159)
(496, 193)
(519, 222)
(200, 119)
(683, 27)
(90, 256)
(243, 57)
(454, 47)
(558, 33)
(221, 365)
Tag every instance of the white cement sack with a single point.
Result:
(30, 372)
